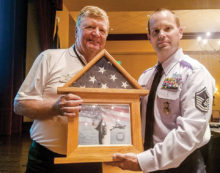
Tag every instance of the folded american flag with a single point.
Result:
(103, 74)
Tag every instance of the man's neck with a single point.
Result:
(88, 56)
(164, 55)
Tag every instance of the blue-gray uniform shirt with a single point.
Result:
(182, 109)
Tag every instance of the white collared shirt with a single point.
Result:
(181, 123)
(79, 55)
(51, 69)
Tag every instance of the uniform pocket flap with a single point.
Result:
(170, 94)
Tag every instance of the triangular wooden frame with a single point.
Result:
(94, 60)
(102, 153)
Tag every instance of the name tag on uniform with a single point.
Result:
(172, 82)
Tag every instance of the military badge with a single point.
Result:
(166, 108)
(172, 82)
(202, 100)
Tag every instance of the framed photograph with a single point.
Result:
(104, 124)
(109, 121)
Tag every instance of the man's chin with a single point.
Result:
(95, 49)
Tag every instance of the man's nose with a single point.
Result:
(96, 32)
(161, 34)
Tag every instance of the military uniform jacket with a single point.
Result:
(182, 109)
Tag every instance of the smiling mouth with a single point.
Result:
(94, 42)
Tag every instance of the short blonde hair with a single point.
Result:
(92, 11)
(161, 10)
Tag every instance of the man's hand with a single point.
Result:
(68, 105)
(126, 161)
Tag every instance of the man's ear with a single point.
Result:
(180, 33)
(76, 31)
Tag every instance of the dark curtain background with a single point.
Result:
(47, 12)
(13, 31)
(13, 17)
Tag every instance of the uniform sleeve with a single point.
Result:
(192, 125)
(33, 85)
(141, 80)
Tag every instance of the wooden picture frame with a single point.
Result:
(103, 153)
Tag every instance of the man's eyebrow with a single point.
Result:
(154, 28)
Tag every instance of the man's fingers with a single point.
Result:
(72, 97)
(72, 114)
(69, 104)
(126, 161)
(70, 109)
(118, 157)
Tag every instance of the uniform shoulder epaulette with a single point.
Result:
(190, 63)
(185, 63)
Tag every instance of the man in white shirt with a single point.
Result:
(182, 105)
(38, 99)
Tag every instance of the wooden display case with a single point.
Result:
(101, 101)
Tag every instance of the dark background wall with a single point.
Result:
(13, 24)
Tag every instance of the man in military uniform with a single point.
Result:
(178, 107)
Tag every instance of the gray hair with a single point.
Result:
(92, 11)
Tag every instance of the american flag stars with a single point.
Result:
(104, 86)
(113, 77)
(103, 74)
(124, 84)
(102, 70)
(92, 79)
